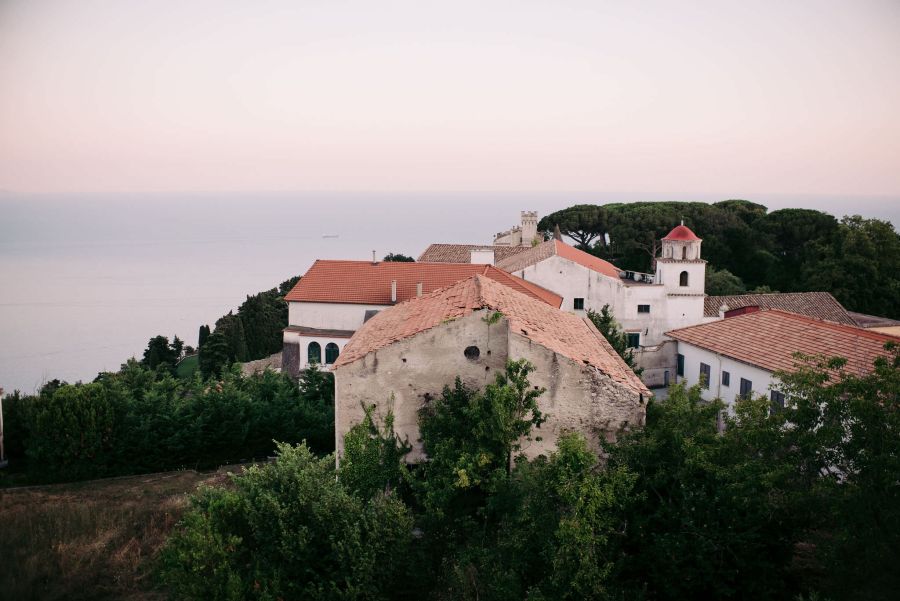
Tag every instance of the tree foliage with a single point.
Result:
(398, 258)
(290, 530)
(140, 420)
(790, 250)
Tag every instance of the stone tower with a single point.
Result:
(529, 227)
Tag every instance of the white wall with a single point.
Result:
(332, 316)
(762, 380)
(667, 312)
(304, 342)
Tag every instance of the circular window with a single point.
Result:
(472, 353)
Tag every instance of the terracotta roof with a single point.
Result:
(364, 282)
(681, 232)
(565, 333)
(559, 248)
(820, 305)
(462, 253)
(769, 338)
(872, 321)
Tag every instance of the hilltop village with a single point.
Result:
(410, 328)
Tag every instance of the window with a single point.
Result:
(704, 375)
(746, 387)
(633, 339)
(331, 353)
(726, 378)
(777, 401)
(683, 279)
(684, 252)
(579, 304)
(643, 308)
(472, 353)
(666, 378)
(680, 367)
(314, 353)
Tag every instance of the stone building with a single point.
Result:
(334, 298)
(522, 235)
(405, 355)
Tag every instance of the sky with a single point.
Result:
(688, 98)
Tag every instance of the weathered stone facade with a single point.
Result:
(407, 374)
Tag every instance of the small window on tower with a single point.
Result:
(579, 304)
(683, 279)
(643, 308)
(684, 252)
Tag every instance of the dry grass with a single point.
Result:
(90, 540)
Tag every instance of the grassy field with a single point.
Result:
(187, 366)
(91, 540)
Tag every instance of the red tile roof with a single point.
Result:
(364, 282)
(565, 333)
(681, 232)
(462, 253)
(559, 248)
(820, 305)
(768, 339)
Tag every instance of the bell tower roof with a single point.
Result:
(683, 233)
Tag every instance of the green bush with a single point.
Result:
(289, 530)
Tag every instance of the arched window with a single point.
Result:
(684, 252)
(314, 353)
(683, 279)
(331, 353)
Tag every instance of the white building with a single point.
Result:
(334, 298)
(740, 355)
(645, 305)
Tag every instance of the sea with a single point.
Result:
(86, 280)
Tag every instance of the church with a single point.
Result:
(645, 305)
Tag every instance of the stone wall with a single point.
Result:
(656, 361)
(578, 398)
(408, 373)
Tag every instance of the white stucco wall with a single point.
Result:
(693, 355)
(333, 316)
(304, 342)
(668, 308)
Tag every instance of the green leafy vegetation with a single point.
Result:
(254, 332)
(802, 502)
(789, 250)
(142, 420)
(398, 258)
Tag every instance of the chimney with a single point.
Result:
(393, 291)
(557, 235)
(374, 261)
(482, 256)
(722, 310)
(419, 289)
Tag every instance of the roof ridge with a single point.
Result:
(833, 325)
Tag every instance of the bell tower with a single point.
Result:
(680, 269)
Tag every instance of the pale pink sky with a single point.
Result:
(660, 97)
